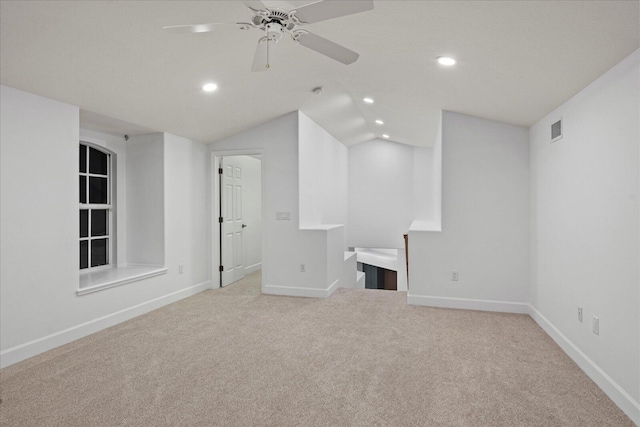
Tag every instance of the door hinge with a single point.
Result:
(220, 171)
(221, 269)
(220, 220)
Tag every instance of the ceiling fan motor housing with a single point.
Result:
(285, 20)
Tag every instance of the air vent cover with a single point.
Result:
(556, 131)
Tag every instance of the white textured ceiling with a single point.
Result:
(517, 60)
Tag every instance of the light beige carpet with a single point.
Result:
(235, 357)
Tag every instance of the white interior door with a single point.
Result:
(232, 221)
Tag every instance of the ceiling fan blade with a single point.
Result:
(260, 57)
(329, 9)
(196, 28)
(255, 4)
(328, 48)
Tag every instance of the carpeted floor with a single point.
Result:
(235, 357)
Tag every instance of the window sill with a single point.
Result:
(111, 277)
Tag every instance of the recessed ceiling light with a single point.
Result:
(209, 87)
(445, 60)
(380, 122)
(384, 135)
(368, 100)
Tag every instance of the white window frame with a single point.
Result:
(110, 236)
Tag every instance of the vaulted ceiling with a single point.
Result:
(517, 60)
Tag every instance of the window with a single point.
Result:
(95, 207)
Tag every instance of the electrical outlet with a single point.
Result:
(454, 276)
(579, 314)
(595, 326)
(283, 216)
(303, 268)
(180, 269)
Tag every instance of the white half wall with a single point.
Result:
(584, 229)
(485, 220)
(39, 267)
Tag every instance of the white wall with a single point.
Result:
(145, 200)
(322, 176)
(584, 234)
(39, 308)
(423, 188)
(436, 177)
(427, 190)
(485, 218)
(389, 187)
(39, 214)
(187, 216)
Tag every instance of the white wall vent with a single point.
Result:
(556, 130)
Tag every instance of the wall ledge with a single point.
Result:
(116, 276)
(468, 304)
(33, 348)
(418, 225)
(321, 227)
(293, 291)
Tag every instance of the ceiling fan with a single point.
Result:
(275, 22)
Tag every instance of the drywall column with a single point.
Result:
(186, 211)
(323, 163)
(485, 221)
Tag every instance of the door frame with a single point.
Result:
(215, 208)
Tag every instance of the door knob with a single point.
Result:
(244, 225)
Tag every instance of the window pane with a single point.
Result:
(84, 223)
(83, 158)
(99, 249)
(98, 190)
(99, 222)
(84, 254)
(83, 189)
(97, 161)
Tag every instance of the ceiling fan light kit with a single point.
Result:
(274, 23)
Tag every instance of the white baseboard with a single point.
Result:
(252, 268)
(468, 304)
(611, 388)
(292, 291)
(49, 342)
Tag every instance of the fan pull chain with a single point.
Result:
(267, 31)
